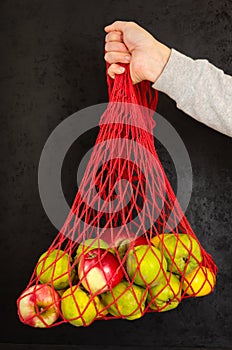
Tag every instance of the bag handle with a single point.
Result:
(122, 89)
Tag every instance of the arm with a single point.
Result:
(200, 89)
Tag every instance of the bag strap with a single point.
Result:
(122, 89)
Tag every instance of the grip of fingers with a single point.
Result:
(122, 89)
(121, 82)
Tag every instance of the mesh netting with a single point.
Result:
(126, 247)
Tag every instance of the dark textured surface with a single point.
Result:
(51, 66)
(95, 347)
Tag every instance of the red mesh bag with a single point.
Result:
(126, 247)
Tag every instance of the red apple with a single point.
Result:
(99, 270)
(38, 306)
(141, 240)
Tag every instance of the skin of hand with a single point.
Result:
(127, 42)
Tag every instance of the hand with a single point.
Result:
(127, 42)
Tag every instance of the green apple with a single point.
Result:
(145, 265)
(89, 244)
(101, 308)
(55, 269)
(166, 295)
(123, 247)
(126, 300)
(182, 252)
(78, 308)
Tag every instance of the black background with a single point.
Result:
(52, 66)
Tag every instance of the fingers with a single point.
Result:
(117, 57)
(114, 36)
(115, 69)
(116, 50)
(116, 46)
(118, 25)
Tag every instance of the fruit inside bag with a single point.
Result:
(126, 247)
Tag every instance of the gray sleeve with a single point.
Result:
(200, 89)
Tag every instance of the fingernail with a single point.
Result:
(122, 69)
(127, 58)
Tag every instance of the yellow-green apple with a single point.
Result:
(38, 306)
(78, 308)
(126, 300)
(199, 282)
(99, 270)
(145, 265)
(182, 252)
(166, 295)
(55, 268)
(101, 308)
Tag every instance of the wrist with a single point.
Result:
(159, 59)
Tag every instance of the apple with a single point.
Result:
(119, 234)
(101, 308)
(89, 244)
(166, 295)
(126, 300)
(182, 252)
(78, 308)
(38, 306)
(199, 282)
(55, 268)
(99, 270)
(145, 265)
(156, 239)
(126, 243)
(122, 248)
